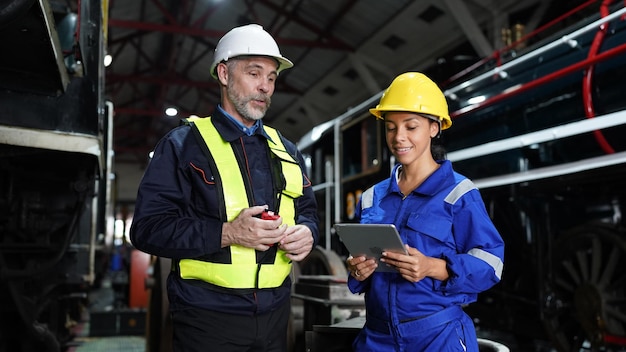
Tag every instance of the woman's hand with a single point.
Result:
(360, 267)
(415, 266)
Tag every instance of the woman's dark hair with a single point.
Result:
(437, 149)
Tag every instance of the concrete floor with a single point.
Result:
(110, 344)
(105, 329)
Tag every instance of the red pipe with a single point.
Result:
(469, 69)
(498, 53)
(549, 24)
(588, 79)
(540, 81)
(618, 340)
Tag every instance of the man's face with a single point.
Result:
(249, 87)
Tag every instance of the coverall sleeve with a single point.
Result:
(357, 286)
(163, 223)
(478, 262)
(354, 285)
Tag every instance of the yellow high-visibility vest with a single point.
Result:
(243, 271)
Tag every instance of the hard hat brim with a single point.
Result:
(283, 63)
(444, 121)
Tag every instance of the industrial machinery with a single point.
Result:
(55, 168)
(539, 128)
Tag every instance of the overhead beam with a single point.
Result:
(465, 19)
(198, 32)
(538, 14)
(364, 73)
(325, 35)
(313, 113)
(162, 80)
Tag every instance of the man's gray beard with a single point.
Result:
(241, 105)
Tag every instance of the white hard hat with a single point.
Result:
(250, 39)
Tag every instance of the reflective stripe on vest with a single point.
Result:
(242, 272)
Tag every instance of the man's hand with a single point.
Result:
(249, 230)
(298, 242)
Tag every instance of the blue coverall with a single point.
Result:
(445, 217)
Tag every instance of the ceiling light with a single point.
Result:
(476, 100)
(171, 111)
(108, 59)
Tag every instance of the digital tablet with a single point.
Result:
(371, 240)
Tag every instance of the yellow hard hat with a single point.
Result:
(414, 92)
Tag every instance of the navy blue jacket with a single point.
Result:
(177, 212)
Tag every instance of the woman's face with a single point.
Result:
(408, 136)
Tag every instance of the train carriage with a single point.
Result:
(55, 170)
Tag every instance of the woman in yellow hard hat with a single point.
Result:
(454, 250)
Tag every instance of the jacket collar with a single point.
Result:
(431, 185)
(229, 129)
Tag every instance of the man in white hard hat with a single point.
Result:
(226, 198)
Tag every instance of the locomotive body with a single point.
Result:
(55, 169)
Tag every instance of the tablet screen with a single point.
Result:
(371, 240)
